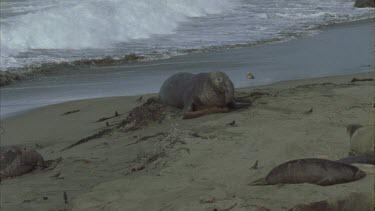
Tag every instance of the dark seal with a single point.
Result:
(15, 161)
(311, 170)
(199, 94)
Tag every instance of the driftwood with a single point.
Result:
(361, 79)
(70, 112)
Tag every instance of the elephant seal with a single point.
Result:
(353, 201)
(361, 139)
(365, 158)
(15, 161)
(199, 94)
(311, 170)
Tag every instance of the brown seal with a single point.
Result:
(352, 202)
(199, 94)
(15, 161)
(311, 170)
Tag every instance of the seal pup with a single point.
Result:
(15, 161)
(361, 138)
(311, 170)
(200, 94)
(353, 201)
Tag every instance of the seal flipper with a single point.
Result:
(199, 113)
(239, 105)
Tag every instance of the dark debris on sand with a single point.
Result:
(149, 112)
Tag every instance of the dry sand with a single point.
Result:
(197, 164)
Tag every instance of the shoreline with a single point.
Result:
(320, 55)
(9, 77)
(186, 162)
(279, 84)
(15, 75)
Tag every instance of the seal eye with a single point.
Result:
(219, 80)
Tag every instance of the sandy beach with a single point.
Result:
(79, 83)
(197, 164)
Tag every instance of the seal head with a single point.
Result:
(32, 158)
(222, 84)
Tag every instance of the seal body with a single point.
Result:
(197, 91)
(15, 161)
(312, 170)
(174, 89)
(194, 92)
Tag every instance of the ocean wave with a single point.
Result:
(47, 68)
(99, 24)
(37, 32)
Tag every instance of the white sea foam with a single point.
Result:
(44, 31)
(97, 23)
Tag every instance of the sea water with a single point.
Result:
(35, 32)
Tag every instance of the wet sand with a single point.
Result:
(197, 164)
(336, 50)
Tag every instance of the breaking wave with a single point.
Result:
(96, 24)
